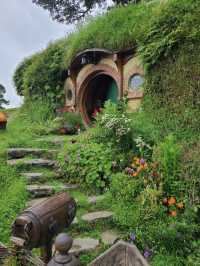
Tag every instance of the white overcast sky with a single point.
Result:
(24, 29)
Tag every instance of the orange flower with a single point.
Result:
(171, 201)
(144, 166)
(173, 213)
(180, 205)
(135, 174)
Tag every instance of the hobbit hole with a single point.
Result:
(98, 75)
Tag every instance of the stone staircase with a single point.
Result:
(32, 165)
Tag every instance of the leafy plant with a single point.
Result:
(113, 125)
(89, 164)
(167, 155)
(2, 100)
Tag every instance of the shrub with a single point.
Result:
(167, 154)
(38, 116)
(73, 119)
(41, 76)
(67, 123)
(89, 164)
(18, 77)
(132, 200)
(113, 125)
(138, 209)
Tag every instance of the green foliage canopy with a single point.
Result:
(3, 101)
(69, 10)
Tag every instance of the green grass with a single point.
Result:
(20, 133)
(12, 198)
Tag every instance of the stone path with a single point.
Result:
(82, 245)
(32, 162)
(109, 237)
(96, 216)
(17, 153)
(39, 191)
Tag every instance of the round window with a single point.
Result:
(136, 82)
(69, 95)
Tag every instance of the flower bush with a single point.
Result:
(114, 125)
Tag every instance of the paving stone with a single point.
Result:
(109, 237)
(34, 202)
(4, 252)
(32, 177)
(96, 216)
(95, 199)
(38, 191)
(33, 162)
(83, 245)
(70, 186)
(16, 153)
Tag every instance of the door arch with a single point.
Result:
(95, 91)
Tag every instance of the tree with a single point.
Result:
(2, 100)
(68, 11)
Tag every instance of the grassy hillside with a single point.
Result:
(164, 193)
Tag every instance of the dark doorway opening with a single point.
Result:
(99, 90)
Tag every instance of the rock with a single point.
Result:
(70, 186)
(37, 191)
(34, 202)
(82, 245)
(32, 162)
(109, 237)
(4, 252)
(16, 153)
(32, 177)
(95, 199)
(96, 216)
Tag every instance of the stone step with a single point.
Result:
(32, 162)
(83, 245)
(39, 191)
(70, 186)
(97, 216)
(17, 153)
(95, 199)
(109, 237)
(33, 177)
